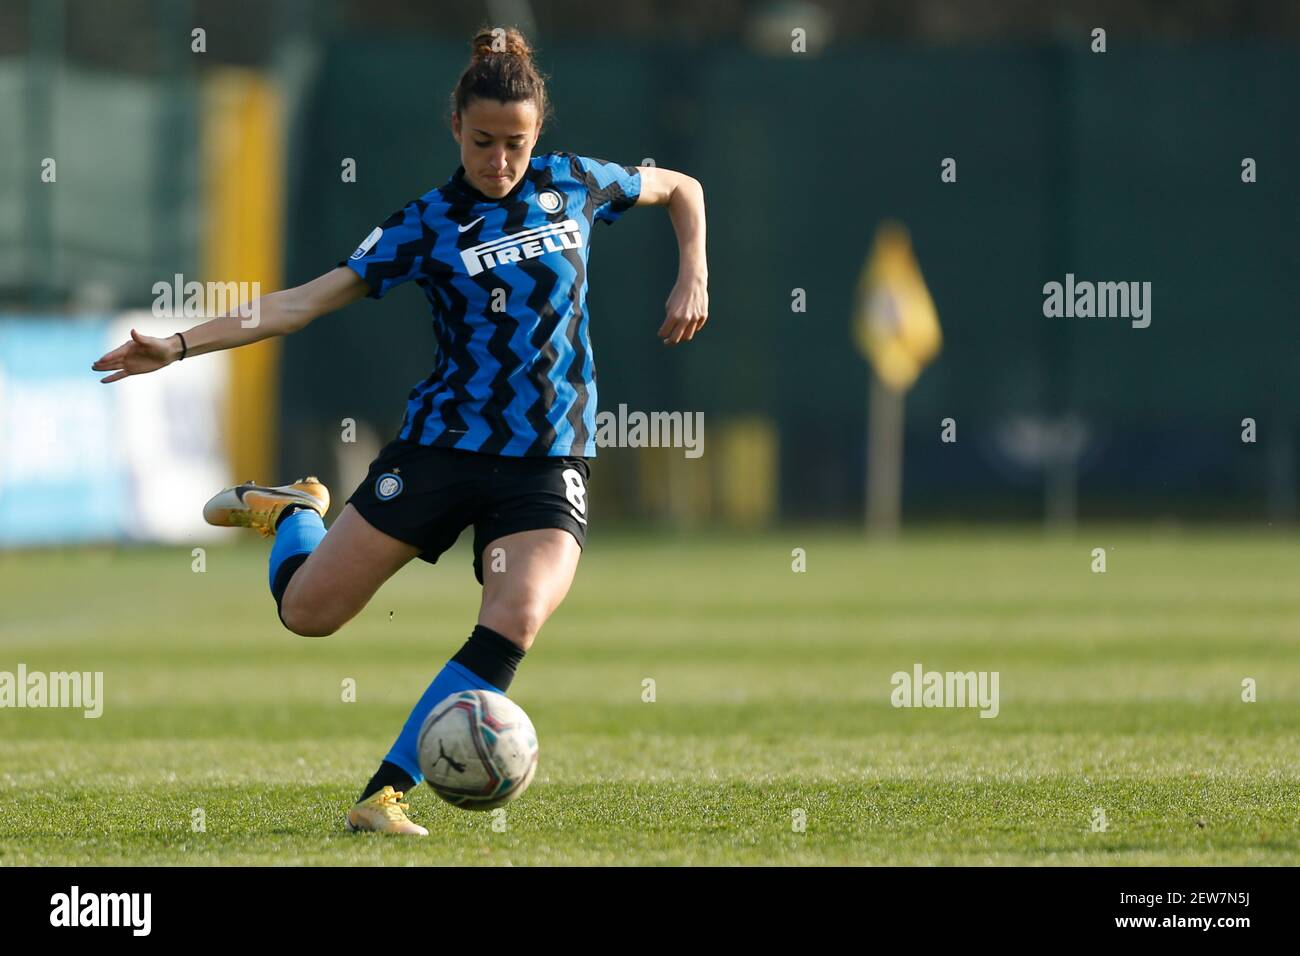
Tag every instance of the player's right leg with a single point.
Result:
(341, 575)
(320, 580)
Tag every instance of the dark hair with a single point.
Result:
(501, 68)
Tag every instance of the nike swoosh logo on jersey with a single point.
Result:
(470, 226)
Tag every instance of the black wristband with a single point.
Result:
(184, 347)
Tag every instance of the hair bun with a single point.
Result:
(501, 68)
(500, 40)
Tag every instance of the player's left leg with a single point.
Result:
(533, 572)
(529, 529)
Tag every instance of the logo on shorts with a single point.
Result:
(550, 200)
(388, 486)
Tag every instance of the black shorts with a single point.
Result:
(426, 496)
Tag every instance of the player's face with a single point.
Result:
(496, 142)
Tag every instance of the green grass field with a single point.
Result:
(1119, 690)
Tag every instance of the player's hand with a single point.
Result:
(143, 353)
(687, 309)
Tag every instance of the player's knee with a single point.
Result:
(519, 620)
(306, 621)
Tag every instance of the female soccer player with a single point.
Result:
(498, 435)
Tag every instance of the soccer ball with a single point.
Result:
(478, 749)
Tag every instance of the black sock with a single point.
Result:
(490, 656)
(288, 510)
(282, 576)
(388, 775)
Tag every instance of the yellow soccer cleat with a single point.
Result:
(254, 506)
(383, 813)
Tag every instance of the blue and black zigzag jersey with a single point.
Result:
(507, 281)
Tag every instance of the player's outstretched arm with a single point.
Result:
(687, 308)
(276, 314)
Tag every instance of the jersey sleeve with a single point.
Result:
(614, 189)
(394, 251)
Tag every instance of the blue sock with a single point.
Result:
(452, 678)
(295, 538)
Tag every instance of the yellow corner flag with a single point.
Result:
(897, 327)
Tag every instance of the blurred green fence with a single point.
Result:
(1124, 166)
(1120, 167)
